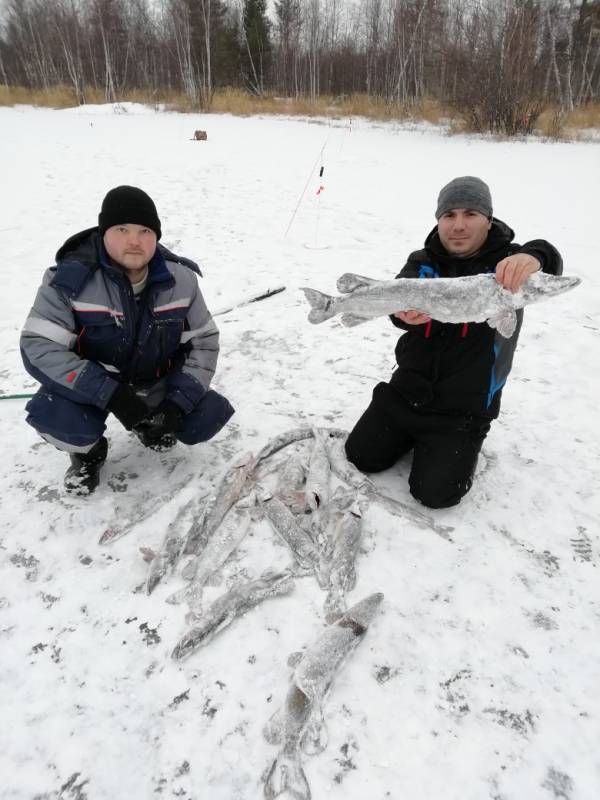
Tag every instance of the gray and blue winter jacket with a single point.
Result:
(86, 331)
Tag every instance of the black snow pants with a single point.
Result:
(445, 446)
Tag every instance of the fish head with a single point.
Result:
(541, 285)
(363, 612)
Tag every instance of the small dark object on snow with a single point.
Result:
(200, 136)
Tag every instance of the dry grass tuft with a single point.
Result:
(556, 124)
(65, 96)
(552, 123)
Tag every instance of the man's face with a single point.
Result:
(130, 246)
(463, 231)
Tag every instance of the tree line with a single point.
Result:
(498, 61)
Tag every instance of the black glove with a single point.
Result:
(166, 418)
(127, 406)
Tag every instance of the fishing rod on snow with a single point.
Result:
(246, 301)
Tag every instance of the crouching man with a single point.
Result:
(120, 326)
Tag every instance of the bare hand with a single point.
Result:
(412, 317)
(512, 272)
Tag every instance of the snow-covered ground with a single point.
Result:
(479, 676)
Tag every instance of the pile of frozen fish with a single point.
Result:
(322, 529)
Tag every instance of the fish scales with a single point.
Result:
(169, 552)
(195, 538)
(218, 549)
(342, 572)
(283, 440)
(475, 298)
(231, 605)
(300, 724)
(319, 469)
(292, 475)
(284, 523)
(290, 483)
(324, 523)
(237, 481)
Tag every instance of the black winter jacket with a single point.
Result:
(461, 368)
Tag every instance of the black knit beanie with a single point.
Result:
(128, 204)
(465, 192)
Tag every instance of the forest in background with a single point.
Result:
(498, 64)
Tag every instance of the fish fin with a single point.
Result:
(321, 305)
(352, 320)
(348, 282)
(180, 596)
(247, 503)
(148, 554)
(190, 568)
(154, 578)
(315, 737)
(273, 730)
(504, 323)
(286, 776)
(295, 658)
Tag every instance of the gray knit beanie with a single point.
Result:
(465, 192)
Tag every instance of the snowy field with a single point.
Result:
(479, 676)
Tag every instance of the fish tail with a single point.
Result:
(154, 578)
(286, 776)
(321, 305)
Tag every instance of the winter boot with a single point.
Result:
(83, 476)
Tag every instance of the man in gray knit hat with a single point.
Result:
(446, 390)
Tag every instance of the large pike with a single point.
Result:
(476, 298)
(229, 606)
(299, 724)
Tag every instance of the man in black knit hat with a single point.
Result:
(446, 389)
(120, 326)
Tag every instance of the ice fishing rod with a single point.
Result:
(254, 298)
(318, 158)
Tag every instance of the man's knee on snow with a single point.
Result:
(363, 459)
(206, 419)
(438, 496)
